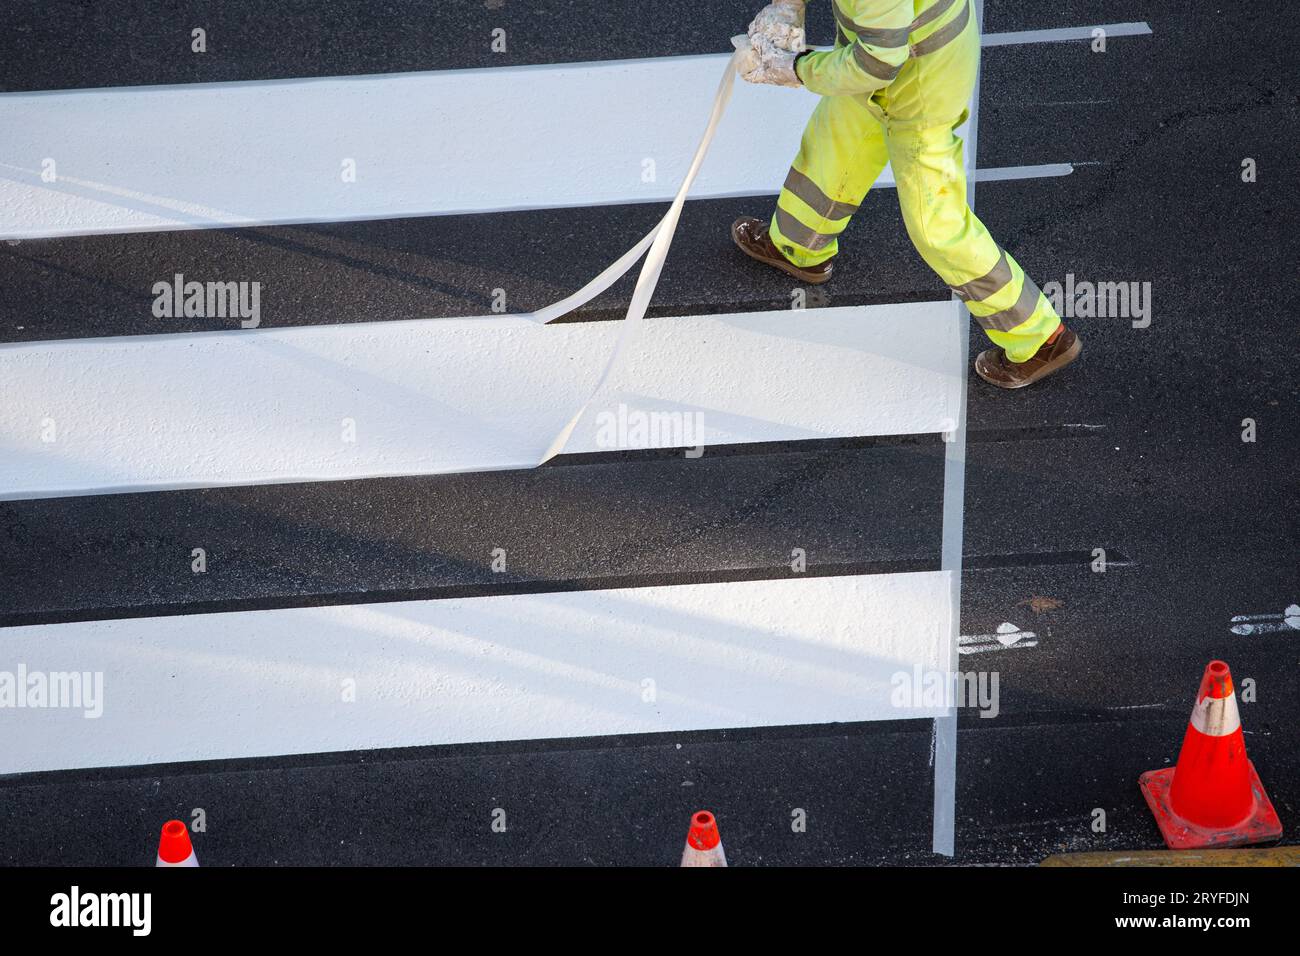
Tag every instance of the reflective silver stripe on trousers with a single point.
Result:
(944, 35)
(985, 285)
(798, 233)
(818, 201)
(874, 65)
(1008, 319)
(876, 36)
(930, 14)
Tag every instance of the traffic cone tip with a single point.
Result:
(704, 831)
(174, 845)
(1217, 681)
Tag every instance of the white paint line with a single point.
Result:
(1139, 706)
(1248, 624)
(622, 661)
(1002, 173)
(943, 741)
(1059, 103)
(1008, 636)
(435, 396)
(449, 142)
(1066, 33)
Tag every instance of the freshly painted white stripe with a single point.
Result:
(1001, 173)
(1007, 636)
(458, 141)
(323, 403)
(633, 660)
(943, 830)
(1066, 33)
(1216, 716)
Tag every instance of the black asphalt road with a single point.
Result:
(1136, 450)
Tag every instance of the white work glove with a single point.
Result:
(780, 24)
(768, 64)
(776, 38)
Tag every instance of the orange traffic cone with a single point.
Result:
(703, 842)
(174, 847)
(1213, 797)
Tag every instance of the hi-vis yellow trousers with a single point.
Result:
(908, 122)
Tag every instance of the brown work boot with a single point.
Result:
(752, 237)
(994, 367)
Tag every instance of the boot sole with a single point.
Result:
(789, 268)
(1069, 356)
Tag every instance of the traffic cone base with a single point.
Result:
(1260, 826)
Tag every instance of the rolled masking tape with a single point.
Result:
(657, 240)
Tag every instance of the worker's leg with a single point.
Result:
(931, 176)
(842, 153)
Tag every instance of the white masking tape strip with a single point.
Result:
(658, 239)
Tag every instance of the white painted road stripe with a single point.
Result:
(943, 746)
(322, 403)
(1003, 173)
(1067, 33)
(457, 141)
(634, 660)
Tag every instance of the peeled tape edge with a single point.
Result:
(657, 241)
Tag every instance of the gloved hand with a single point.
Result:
(780, 25)
(772, 65)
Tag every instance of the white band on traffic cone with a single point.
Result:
(1217, 716)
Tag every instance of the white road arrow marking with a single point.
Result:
(1288, 620)
(1008, 635)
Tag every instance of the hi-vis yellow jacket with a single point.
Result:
(876, 38)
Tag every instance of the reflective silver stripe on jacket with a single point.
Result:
(892, 37)
(930, 14)
(874, 65)
(876, 36)
(944, 35)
